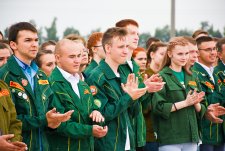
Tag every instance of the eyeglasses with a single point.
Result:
(209, 50)
(98, 46)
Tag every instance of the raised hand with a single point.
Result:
(131, 87)
(154, 83)
(55, 118)
(99, 131)
(97, 116)
(214, 111)
(6, 145)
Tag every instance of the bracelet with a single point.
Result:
(175, 106)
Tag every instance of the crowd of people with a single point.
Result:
(108, 94)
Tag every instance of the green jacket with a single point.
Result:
(138, 122)
(75, 134)
(31, 107)
(113, 103)
(219, 71)
(8, 122)
(211, 132)
(93, 64)
(180, 126)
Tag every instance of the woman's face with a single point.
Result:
(158, 56)
(141, 59)
(47, 63)
(179, 55)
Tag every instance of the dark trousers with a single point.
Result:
(206, 147)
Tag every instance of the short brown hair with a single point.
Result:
(150, 41)
(112, 33)
(153, 48)
(92, 41)
(14, 30)
(198, 32)
(126, 22)
(47, 43)
(202, 39)
(220, 44)
(75, 37)
(41, 53)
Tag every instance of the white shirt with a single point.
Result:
(209, 71)
(130, 64)
(72, 79)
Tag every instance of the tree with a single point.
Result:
(143, 38)
(163, 34)
(183, 32)
(204, 25)
(70, 30)
(214, 33)
(52, 31)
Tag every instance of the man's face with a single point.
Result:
(193, 54)
(221, 54)
(207, 53)
(26, 47)
(4, 56)
(133, 36)
(118, 50)
(70, 56)
(99, 50)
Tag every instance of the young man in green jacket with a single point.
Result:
(112, 100)
(10, 127)
(212, 136)
(73, 94)
(30, 89)
(130, 66)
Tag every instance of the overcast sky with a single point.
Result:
(86, 15)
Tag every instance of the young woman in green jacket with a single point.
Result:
(176, 107)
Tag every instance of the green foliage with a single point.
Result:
(184, 32)
(70, 30)
(52, 31)
(163, 34)
(143, 38)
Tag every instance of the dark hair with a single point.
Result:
(198, 32)
(126, 22)
(112, 33)
(150, 41)
(153, 48)
(41, 53)
(220, 44)
(14, 30)
(202, 39)
(47, 43)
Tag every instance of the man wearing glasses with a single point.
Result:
(212, 134)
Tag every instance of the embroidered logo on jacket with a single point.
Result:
(43, 82)
(16, 85)
(209, 85)
(93, 90)
(192, 83)
(4, 92)
(86, 91)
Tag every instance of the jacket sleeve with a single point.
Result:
(71, 128)
(160, 105)
(111, 105)
(15, 126)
